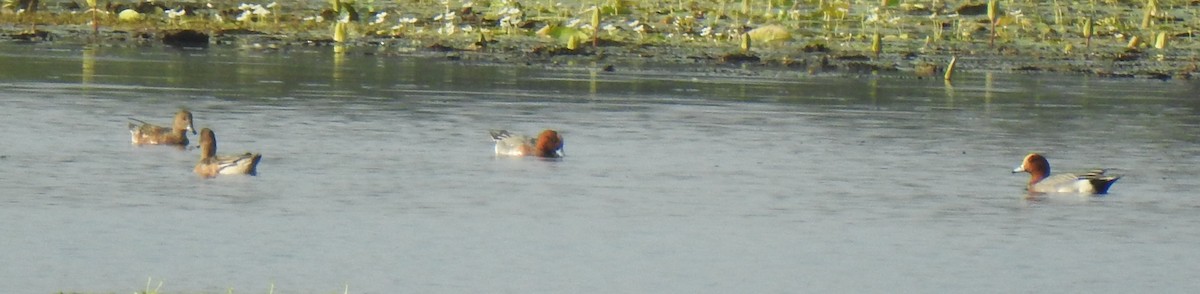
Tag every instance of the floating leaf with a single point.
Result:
(129, 15)
(561, 34)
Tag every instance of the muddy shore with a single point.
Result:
(695, 38)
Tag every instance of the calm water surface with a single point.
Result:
(378, 177)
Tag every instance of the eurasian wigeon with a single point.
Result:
(1040, 180)
(547, 144)
(148, 134)
(211, 164)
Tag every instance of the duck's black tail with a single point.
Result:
(499, 134)
(1100, 181)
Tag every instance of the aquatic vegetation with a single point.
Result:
(95, 18)
(150, 281)
(1088, 30)
(129, 15)
(950, 68)
(1160, 42)
(770, 34)
(992, 11)
(876, 45)
(745, 45)
(777, 29)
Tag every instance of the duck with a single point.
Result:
(149, 134)
(211, 164)
(1095, 181)
(548, 144)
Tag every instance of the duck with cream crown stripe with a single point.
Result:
(548, 144)
(1041, 181)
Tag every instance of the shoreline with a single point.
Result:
(789, 47)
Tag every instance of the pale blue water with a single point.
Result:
(378, 177)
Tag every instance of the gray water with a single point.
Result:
(378, 177)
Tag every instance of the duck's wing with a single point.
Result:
(237, 164)
(142, 127)
(514, 145)
(1093, 181)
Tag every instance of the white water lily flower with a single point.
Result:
(174, 13)
(380, 18)
(446, 16)
(611, 29)
(507, 21)
(448, 29)
(640, 28)
(260, 11)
